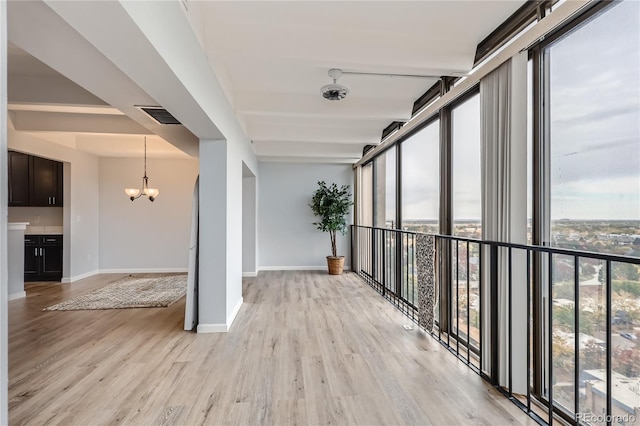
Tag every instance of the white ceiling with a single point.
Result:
(271, 59)
(47, 105)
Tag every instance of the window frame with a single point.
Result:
(539, 54)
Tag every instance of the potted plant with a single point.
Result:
(332, 205)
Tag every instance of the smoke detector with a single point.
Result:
(334, 92)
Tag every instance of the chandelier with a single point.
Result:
(151, 193)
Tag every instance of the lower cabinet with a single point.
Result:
(42, 257)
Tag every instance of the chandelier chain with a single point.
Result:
(145, 156)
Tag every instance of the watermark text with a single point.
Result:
(605, 418)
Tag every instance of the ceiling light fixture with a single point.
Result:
(151, 193)
(335, 91)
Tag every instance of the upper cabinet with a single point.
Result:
(18, 179)
(45, 187)
(34, 181)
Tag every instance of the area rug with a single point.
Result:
(134, 291)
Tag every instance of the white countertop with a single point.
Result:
(17, 226)
(43, 230)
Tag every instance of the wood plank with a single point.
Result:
(306, 348)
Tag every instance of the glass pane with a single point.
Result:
(563, 331)
(365, 240)
(594, 86)
(421, 180)
(409, 270)
(466, 215)
(385, 196)
(593, 326)
(467, 208)
(385, 217)
(529, 152)
(465, 288)
(367, 195)
(595, 133)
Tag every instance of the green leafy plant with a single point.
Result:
(332, 205)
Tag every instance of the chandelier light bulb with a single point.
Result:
(132, 193)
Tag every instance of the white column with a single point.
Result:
(212, 258)
(358, 214)
(249, 226)
(15, 259)
(4, 351)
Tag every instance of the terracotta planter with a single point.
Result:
(335, 264)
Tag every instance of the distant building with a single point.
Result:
(625, 393)
(564, 303)
(584, 339)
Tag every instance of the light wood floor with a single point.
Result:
(306, 348)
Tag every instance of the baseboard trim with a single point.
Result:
(293, 268)
(67, 280)
(234, 314)
(249, 274)
(212, 328)
(299, 268)
(143, 270)
(221, 328)
(18, 295)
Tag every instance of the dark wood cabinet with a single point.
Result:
(19, 179)
(43, 257)
(46, 176)
(31, 248)
(34, 181)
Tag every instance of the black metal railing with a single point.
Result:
(537, 322)
(387, 266)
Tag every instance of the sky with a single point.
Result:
(595, 118)
(421, 174)
(595, 131)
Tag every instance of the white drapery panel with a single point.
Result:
(503, 136)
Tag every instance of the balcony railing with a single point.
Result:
(388, 267)
(544, 325)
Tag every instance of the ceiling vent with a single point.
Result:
(159, 114)
(334, 92)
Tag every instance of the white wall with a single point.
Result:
(15, 260)
(249, 227)
(207, 113)
(287, 239)
(4, 352)
(80, 201)
(145, 236)
(39, 216)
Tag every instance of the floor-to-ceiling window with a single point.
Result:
(385, 189)
(364, 241)
(466, 193)
(385, 217)
(584, 194)
(420, 177)
(366, 195)
(466, 214)
(593, 119)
